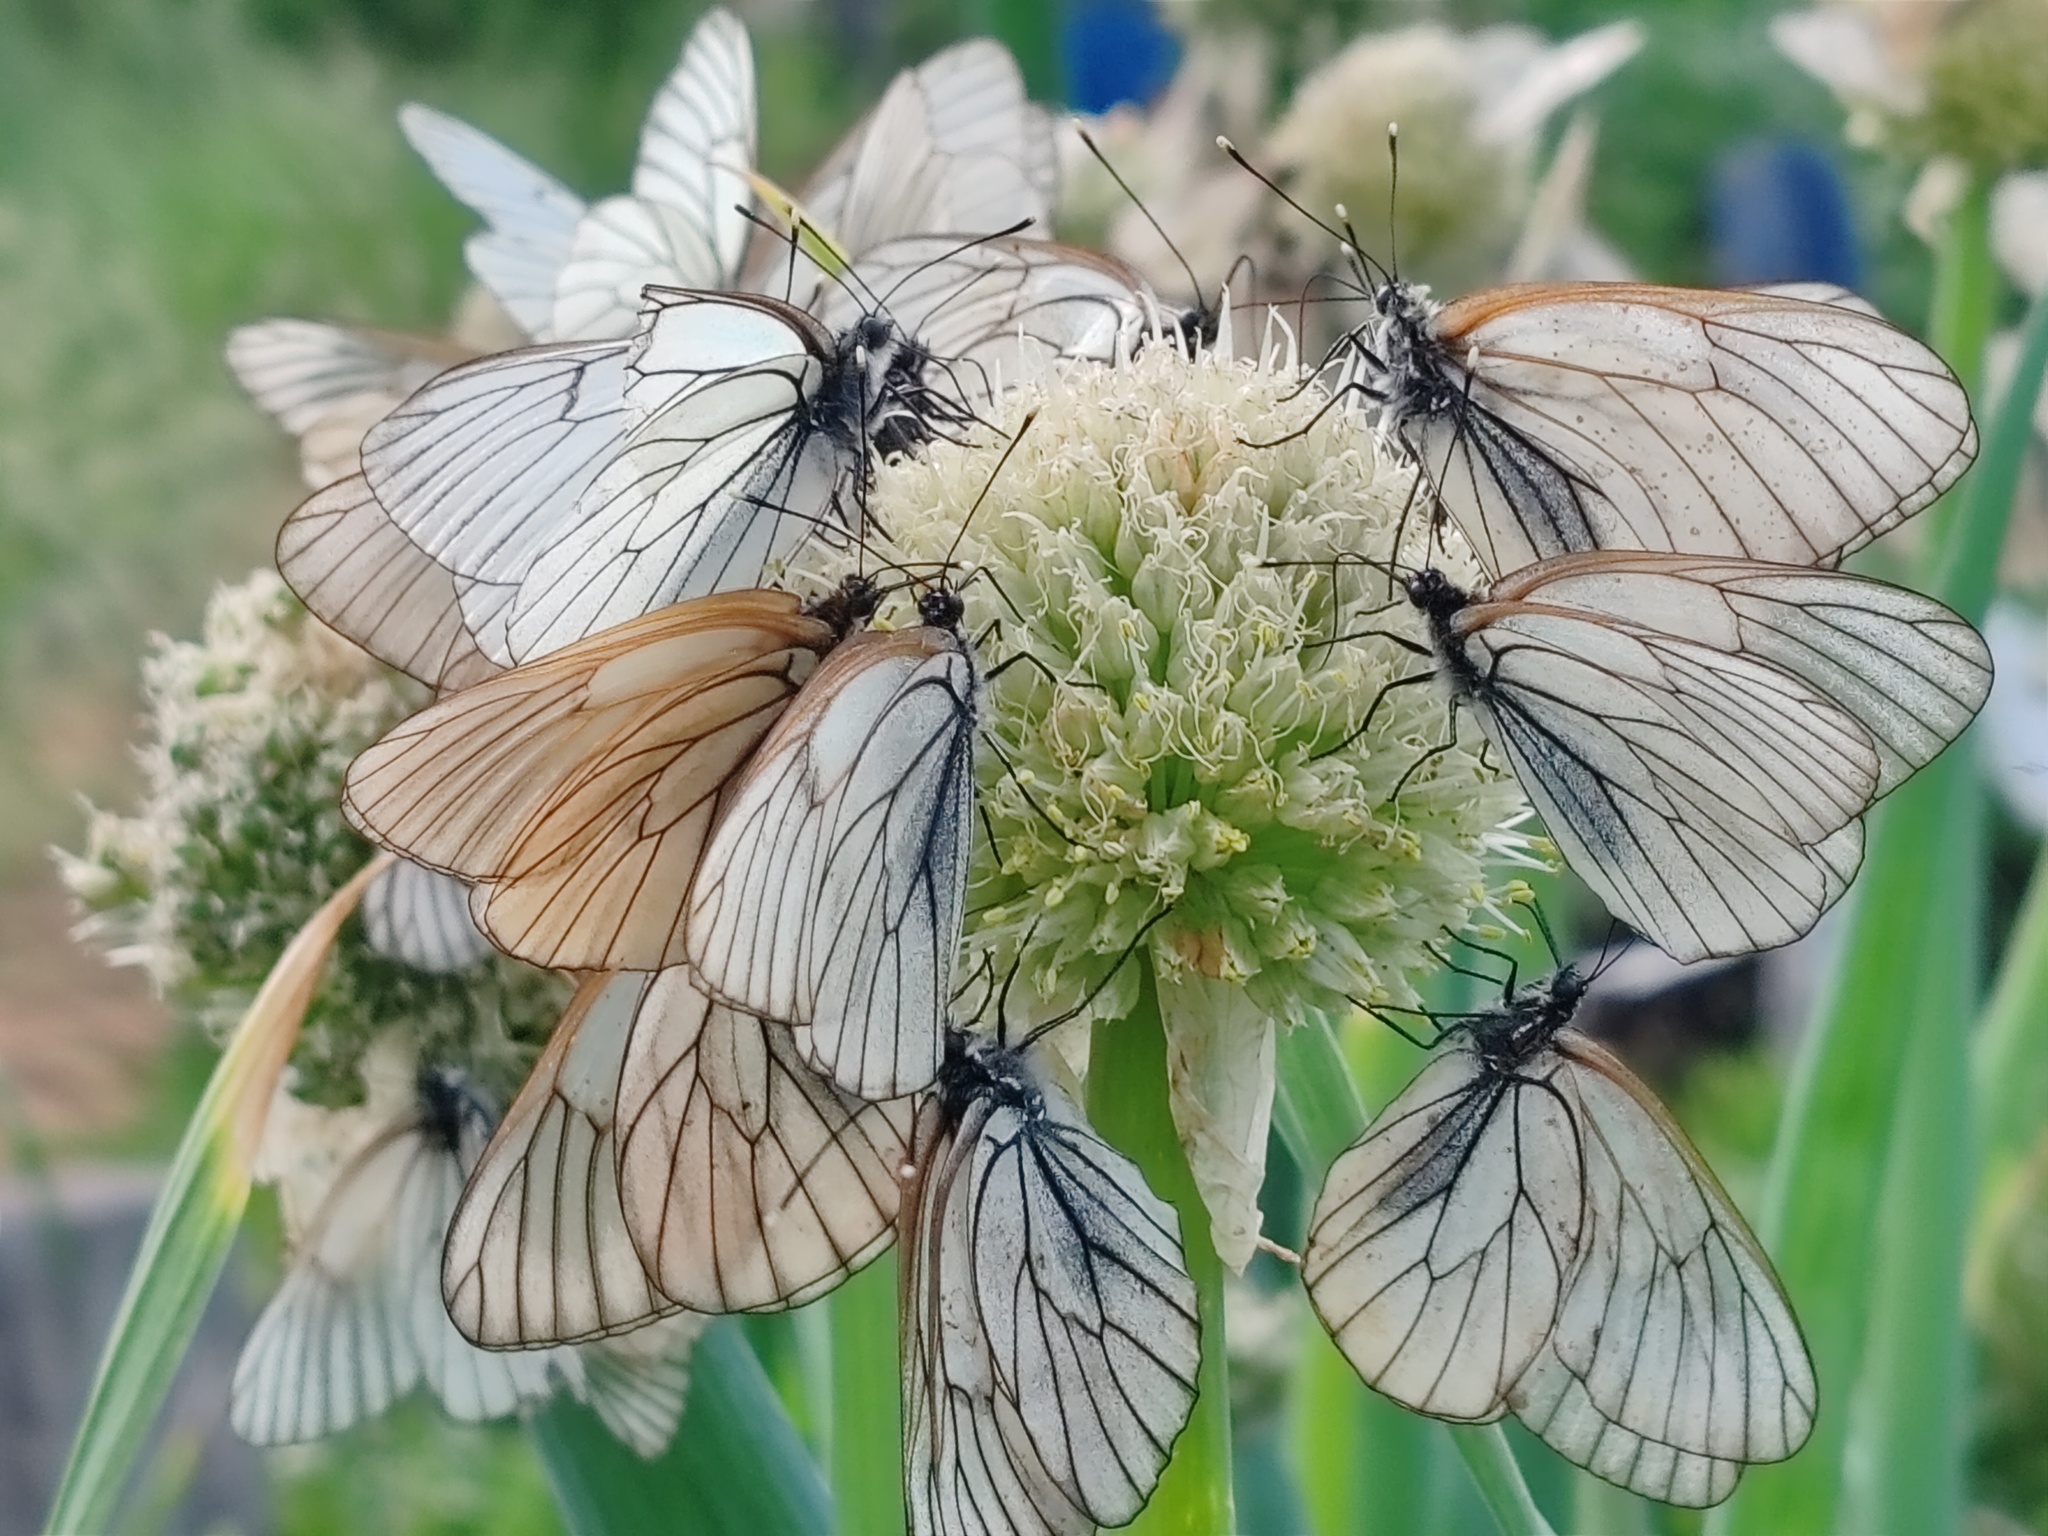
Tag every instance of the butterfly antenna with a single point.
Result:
(1275, 188)
(1015, 438)
(1002, 1022)
(1194, 283)
(881, 305)
(1393, 189)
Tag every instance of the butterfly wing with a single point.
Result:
(1443, 1241)
(638, 1384)
(719, 476)
(575, 792)
(684, 225)
(529, 218)
(1911, 672)
(420, 917)
(538, 1251)
(749, 1182)
(835, 881)
(1710, 798)
(327, 385)
(953, 146)
(1626, 416)
(363, 578)
(1676, 1359)
(1051, 1338)
(336, 1344)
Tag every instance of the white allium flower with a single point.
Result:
(1190, 729)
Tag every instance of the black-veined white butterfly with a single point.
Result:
(1791, 425)
(565, 270)
(358, 1322)
(1701, 736)
(1525, 1230)
(420, 917)
(833, 887)
(575, 793)
(568, 488)
(1049, 1333)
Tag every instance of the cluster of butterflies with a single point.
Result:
(744, 821)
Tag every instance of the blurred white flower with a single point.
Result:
(1202, 725)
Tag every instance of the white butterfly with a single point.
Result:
(1701, 736)
(1791, 424)
(1525, 1230)
(831, 892)
(564, 270)
(358, 1321)
(1050, 1339)
(420, 918)
(572, 487)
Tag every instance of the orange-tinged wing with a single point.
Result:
(575, 792)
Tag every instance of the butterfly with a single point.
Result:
(571, 487)
(832, 890)
(1792, 425)
(1525, 1230)
(575, 793)
(566, 270)
(1049, 1333)
(420, 918)
(358, 1321)
(1702, 736)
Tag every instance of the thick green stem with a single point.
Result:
(1128, 1105)
(867, 1412)
(2011, 1058)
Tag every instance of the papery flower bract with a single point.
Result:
(1187, 729)
(240, 839)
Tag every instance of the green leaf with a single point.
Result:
(867, 1411)
(736, 1467)
(192, 1227)
(1870, 1179)
(1129, 1107)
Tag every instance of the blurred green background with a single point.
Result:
(171, 168)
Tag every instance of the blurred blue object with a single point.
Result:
(1778, 213)
(1115, 51)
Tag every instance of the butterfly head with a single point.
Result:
(976, 1070)
(1506, 1037)
(449, 1106)
(1436, 595)
(941, 608)
(848, 606)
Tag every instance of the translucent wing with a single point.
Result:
(720, 474)
(1625, 416)
(575, 792)
(1050, 1340)
(538, 1251)
(749, 1182)
(639, 1383)
(998, 313)
(361, 576)
(953, 147)
(835, 880)
(683, 226)
(327, 385)
(335, 1345)
(1911, 671)
(484, 467)
(1443, 1241)
(1676, 1359)
(420, 917)
(530, 218)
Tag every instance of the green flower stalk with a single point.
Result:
(1192, 713)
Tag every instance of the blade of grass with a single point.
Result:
(1129, 1108)
(867, 1410)
(192, 1227)
(1866, 1179)
(736, 1467)
(1318, 1111)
